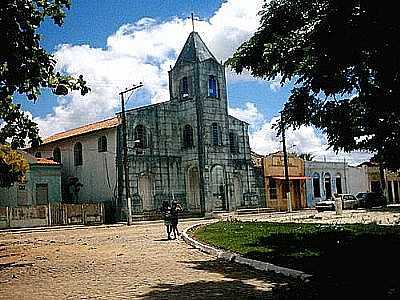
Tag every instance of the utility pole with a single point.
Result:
(125, 152)
(285, 161)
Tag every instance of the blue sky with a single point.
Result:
(92, 22)
(115, 44)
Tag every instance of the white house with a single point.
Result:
(326, 178)
(88, 158)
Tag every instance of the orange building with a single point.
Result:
(274, 181)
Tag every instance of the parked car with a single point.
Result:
(370, 199)
(348, 202)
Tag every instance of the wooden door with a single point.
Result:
(42, 194)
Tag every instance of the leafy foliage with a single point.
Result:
(307, 156)
(13, 166)
(25, 67)
(343, 59)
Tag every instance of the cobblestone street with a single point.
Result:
(120, 262)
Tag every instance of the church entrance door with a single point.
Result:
(145, 192)
(218, 188)
(193, 190)
(237, 192)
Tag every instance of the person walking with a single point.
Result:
(166, 213)
(175, 209)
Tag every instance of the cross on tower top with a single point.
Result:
(193, 19)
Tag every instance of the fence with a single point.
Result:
(52, 214)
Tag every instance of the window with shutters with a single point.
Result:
(57, 155)
(216, 135)
(272, 188)
(140, 137)
(78, 159)
(188, 136)
(102, 144)
(233, 143)
(184, 87)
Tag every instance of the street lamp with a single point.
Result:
(125, 151)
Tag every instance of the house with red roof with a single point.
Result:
(88, 158)
(41, 185)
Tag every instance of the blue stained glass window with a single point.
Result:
(212, 86)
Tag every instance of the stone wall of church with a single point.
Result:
(166, 166)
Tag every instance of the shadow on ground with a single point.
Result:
(234, 289)
(341, 262)
(238, 284)
(234, 286)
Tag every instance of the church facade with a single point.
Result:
(188, 148)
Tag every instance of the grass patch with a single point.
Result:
(365, 257)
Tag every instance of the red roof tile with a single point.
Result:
(105, 124)
(45, 161)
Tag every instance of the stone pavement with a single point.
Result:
(137, 262)
(121, 262)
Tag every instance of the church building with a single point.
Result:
(189, 148)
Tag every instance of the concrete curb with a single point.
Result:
(234, 257)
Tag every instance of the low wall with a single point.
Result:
(28, 216)
(4, 217)
(51, 214)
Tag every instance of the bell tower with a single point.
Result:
(197, 74)
(198, 88)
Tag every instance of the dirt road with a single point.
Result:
(120, 262)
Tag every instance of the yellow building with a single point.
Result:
(274, 181)
(392, 180)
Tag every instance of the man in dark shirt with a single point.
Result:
(175, 209)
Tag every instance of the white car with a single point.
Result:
(349, 201)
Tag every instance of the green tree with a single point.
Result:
(13, 166)
(343, 58)
(25, 67)
(307, 156)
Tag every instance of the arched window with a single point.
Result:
(38, 154)
(57, 155)
(328, 187)
(184, 87)
(233, 143)
(216, 135)
(102, 144)
(316, 185)
(187, 136)
(140, 137)
(212, 86)
(78, 161)
(339, 183)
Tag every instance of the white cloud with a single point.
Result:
(249, 114)
(275, 84)
(141, 52)
(305, 139)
